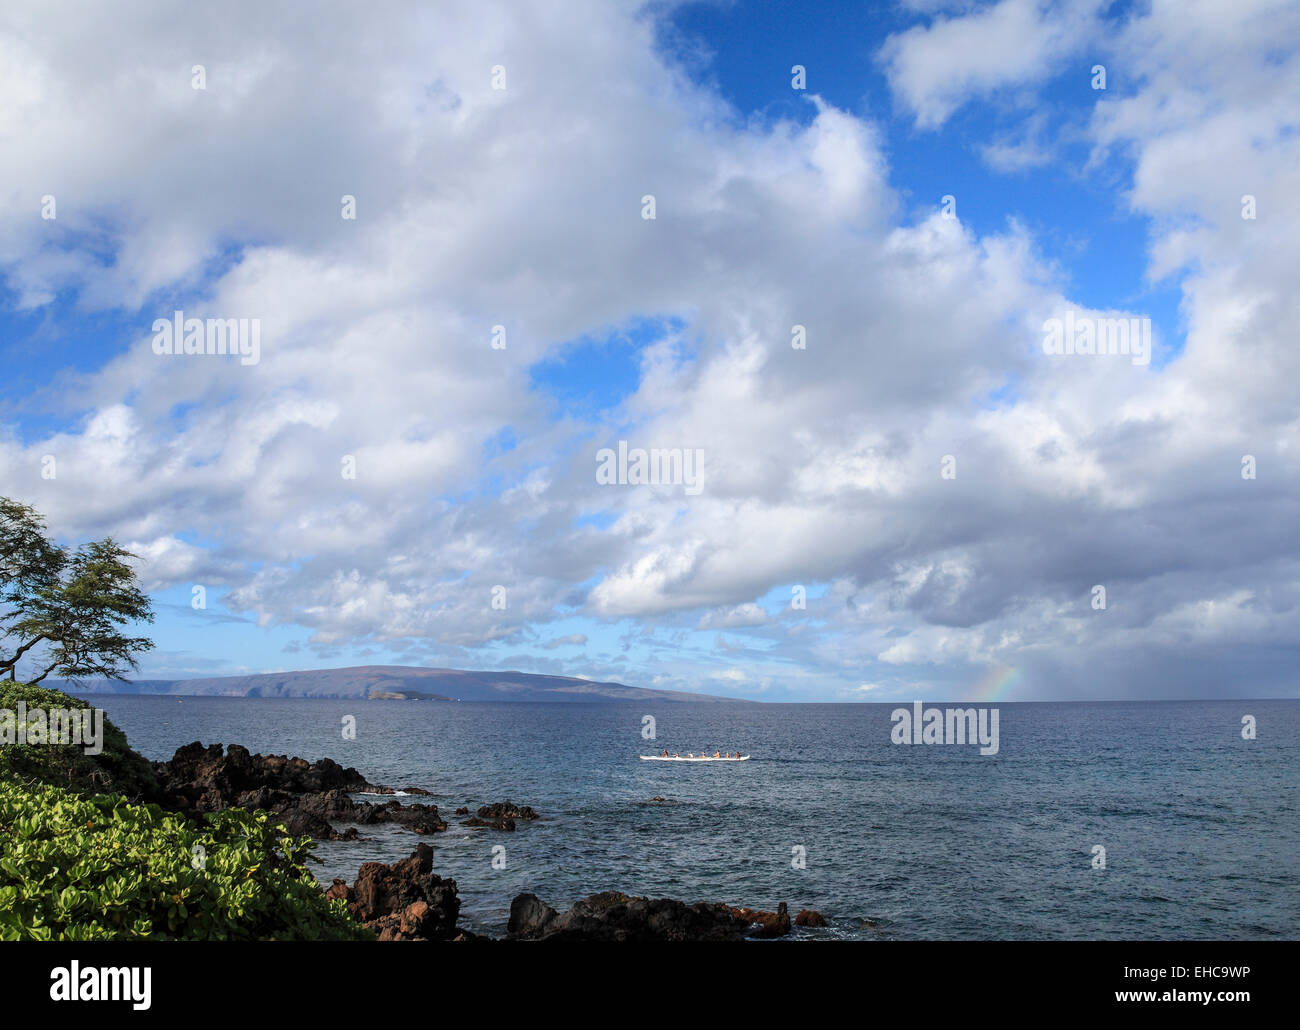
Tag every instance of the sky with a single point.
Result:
(866, 217)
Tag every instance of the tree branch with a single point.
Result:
(9, 665)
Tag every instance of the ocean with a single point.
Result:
(1200, 828)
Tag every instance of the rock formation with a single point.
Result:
(613, 916)
(308, 796)
(405, 901)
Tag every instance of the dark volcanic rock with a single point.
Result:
(337, 805)
(303, 824)
(766, 924)
(405, 901)
(809, 917)
(773, 924)
(307, 796)
(494, 824)
(613, 916)
(506, 810)
(529, 917)
(500, 816)
(211, 779)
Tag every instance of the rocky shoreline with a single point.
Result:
(305, 795)
(407, 901)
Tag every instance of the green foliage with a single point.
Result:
(117, 768)
(75, 868)
(29, 561)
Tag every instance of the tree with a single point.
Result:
(29, 562)
(63, 609)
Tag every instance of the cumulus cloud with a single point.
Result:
(739, 617)
(935, 68)
(572, 640)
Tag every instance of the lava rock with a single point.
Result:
(765, 925)
(493, 824)
(507, 810)
(211, 776)
(405, 901)
(307, 796)
(614, 916)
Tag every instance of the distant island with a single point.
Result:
(406, 695)
(394, 682)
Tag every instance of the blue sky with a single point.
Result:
(1079, 215)
(523, 207)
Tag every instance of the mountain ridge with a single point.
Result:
(361, 681)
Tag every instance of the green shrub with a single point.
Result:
(87, 868)
(117, 768)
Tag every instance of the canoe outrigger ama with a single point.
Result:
(690, 756)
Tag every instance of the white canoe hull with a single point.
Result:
(661, 758)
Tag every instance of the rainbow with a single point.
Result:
(995, 684)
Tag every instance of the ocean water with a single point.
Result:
(1200, 827)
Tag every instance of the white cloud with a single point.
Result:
(934, 69)
(740, 617)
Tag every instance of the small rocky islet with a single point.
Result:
(406, 900)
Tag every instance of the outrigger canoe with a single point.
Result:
(672, 758)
